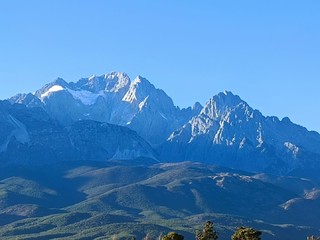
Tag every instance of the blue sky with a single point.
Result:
(266, 51)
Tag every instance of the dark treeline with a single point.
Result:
(208, 233)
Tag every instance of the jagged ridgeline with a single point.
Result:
(107, 156)
(225, 131)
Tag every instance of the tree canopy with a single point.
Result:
(207, 233)
(173, 236)
(244, 233)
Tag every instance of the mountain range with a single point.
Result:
(108, 154)
(112, 98)
(225, 131)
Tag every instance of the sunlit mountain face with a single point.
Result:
(110, 155)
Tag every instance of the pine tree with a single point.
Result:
(244, 233)
(172, 236)
(207, 233)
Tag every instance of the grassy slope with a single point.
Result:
(99, 200)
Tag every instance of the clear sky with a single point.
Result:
(266, 51)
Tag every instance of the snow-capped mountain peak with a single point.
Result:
(225, 131)
(139, 89)
(117, 81)
(112, 98)
(112, 82)
(54, 88)
(222, 104)
(229, 132)
(57, 85)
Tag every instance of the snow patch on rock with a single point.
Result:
(55, 88)
(86, 97)
(292, 148)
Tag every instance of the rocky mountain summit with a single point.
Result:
(229, 132)
(108, 155)
(112, 98)
(225, 131)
